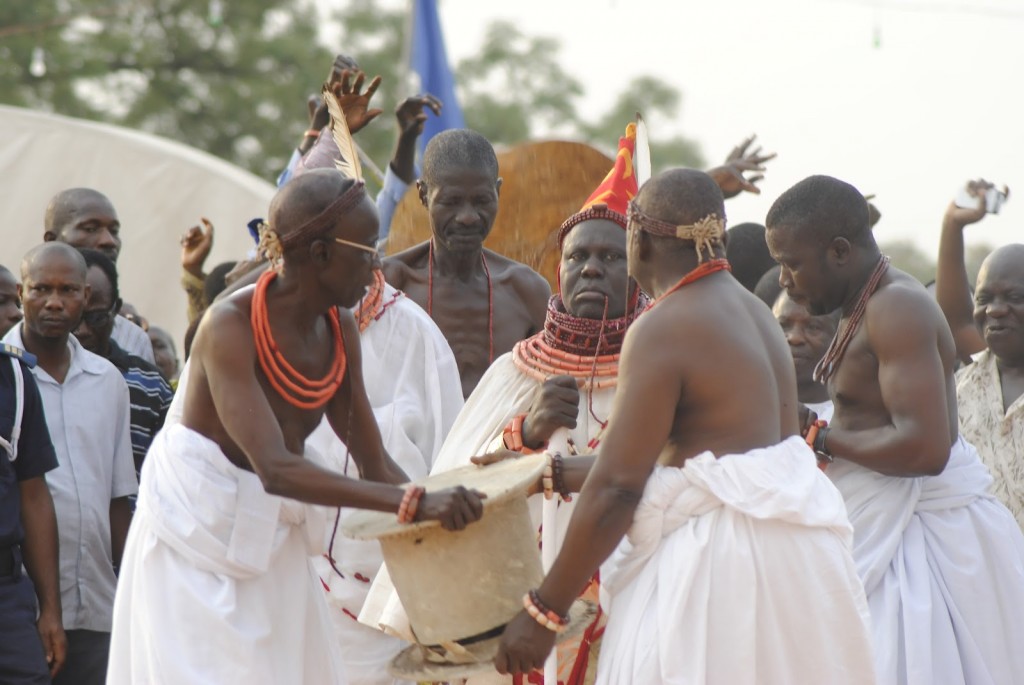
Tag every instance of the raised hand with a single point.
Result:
(196, 244)
(455, 508)
(964, 216)
(354, 100)
(411, 115)
(556, 404)
(741, 160)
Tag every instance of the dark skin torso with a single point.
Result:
(894, 391)
(460, 305)
(309, 352)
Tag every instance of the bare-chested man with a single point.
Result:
(218, 555)
(941, 560)
(484, 303)
(703, 469)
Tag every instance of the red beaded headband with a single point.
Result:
(595, 211)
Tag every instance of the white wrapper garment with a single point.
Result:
(502, 393)
(942, 563)
(412, 382)
(216, 585)
(736, 571)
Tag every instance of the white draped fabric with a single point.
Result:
(216, 585)
(503, 392)
(412, 382)
(736, 571)
(942, 563)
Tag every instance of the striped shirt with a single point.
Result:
(149, 395)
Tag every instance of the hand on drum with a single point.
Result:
(455, 508)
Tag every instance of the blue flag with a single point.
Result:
(430, 60)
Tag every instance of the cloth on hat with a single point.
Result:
(612, 196)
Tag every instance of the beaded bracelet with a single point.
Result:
(558, 481)
(410, 503)
(815, 438)
(542, 615)
(312, 133)
(512, 435)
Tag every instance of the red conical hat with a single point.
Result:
(610, 199)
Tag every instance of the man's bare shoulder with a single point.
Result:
(902, 302)
(410, 259)
(225, 320)
(520, 275)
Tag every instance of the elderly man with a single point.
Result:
(484, 303)
(86, 404)
(531, 392)
(223, 509)
(989, 326)
(703, 466)
(941, 560)
(85, 218)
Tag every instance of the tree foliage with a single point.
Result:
(232, 78)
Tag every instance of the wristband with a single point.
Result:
(542, 615)
(558, 480)
(311, 133)
(410, 503)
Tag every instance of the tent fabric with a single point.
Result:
(159, 188)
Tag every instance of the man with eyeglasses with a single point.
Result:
(149, 394)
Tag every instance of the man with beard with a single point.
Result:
(941, 559)
(484, 303)
(218, 555)
(86, 404)
(990, 326)
(85, 218)
(703, 466)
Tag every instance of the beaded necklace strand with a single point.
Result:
(490, 297)
(296, 389)
(705, 269)
(825, 368)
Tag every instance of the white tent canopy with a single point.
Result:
(158, 187)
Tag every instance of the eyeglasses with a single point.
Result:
(358, 246)
(98, 318)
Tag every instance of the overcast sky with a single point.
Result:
(936, 101)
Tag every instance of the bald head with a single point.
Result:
(47, 254)
(681, 197)
(55, 292)
(1005, 263)
(458, 149)
(83, 218)
(305, 197)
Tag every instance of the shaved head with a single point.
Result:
(681, 197)
(1005, 262)
(64, 204)
(458, 149)
(305, 197)
(83, 218)
(51, 253)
